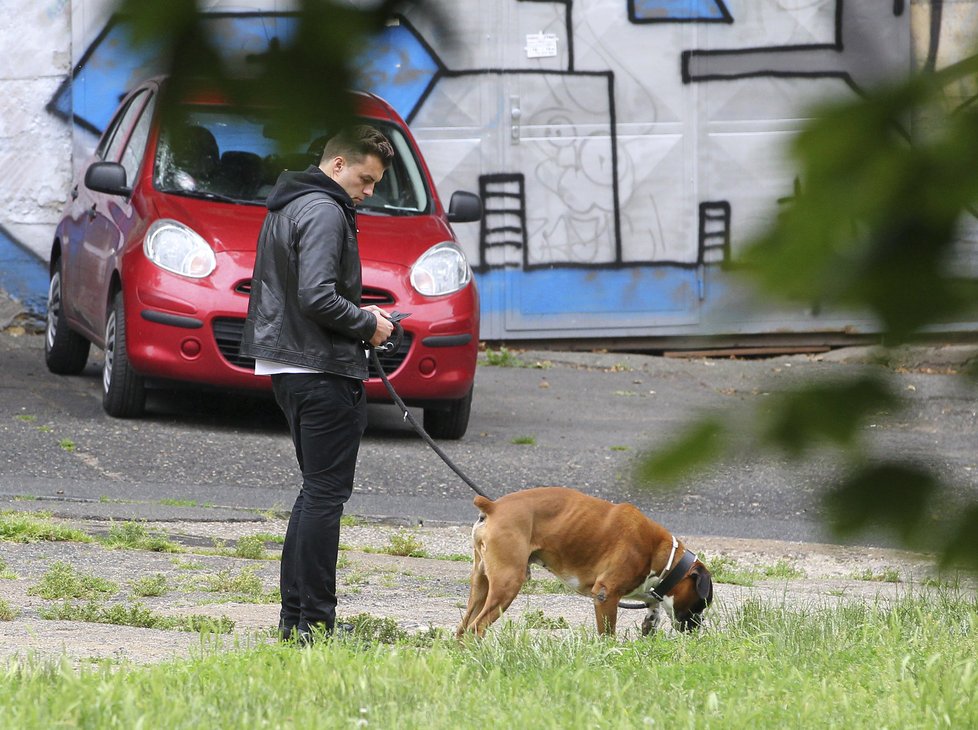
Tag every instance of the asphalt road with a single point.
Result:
(589, 417)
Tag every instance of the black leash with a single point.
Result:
(392, 345)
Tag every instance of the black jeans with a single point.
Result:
(327, 415)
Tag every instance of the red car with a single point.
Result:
(153, 257)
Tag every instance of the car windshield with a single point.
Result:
(225, 154)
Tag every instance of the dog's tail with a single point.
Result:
(484, 504)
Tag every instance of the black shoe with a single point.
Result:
(286, 632)
(307, 637)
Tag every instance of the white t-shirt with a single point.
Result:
(270, 367)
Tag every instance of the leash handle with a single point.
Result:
(393, 343)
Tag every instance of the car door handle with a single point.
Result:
(92, 213)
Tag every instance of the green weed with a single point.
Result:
(503, 358)
(135, 614)
(405, 544)
(149, 585)
(63, 581)
(887, 575)
(251, 547)
(37, 527)
(131, 535)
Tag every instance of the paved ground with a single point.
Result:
(204, 467)
(417, 593)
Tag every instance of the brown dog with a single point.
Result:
(607, 551)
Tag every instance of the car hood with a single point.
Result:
(399, 239)
(228, 227)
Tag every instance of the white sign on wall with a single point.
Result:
(541, 45)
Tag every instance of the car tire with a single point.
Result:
(450, 423)
(123, 391)
(65, 351)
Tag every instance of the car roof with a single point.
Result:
(367, 104)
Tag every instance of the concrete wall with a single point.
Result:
(624, 148)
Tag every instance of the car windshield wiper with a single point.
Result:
(208, 195)
(387, 210)
(213, 196)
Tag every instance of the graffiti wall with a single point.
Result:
(624, 149)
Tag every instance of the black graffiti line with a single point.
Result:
(825, 60)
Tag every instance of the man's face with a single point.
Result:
(356, 178)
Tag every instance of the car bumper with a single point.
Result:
(188, 330)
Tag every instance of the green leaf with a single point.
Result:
(962, 544)
(889, 495)
(804, 417)
(702, 442)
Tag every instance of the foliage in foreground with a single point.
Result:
(855, 666)
(872, 229)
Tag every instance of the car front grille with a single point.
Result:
(228, 331)
(378, 297)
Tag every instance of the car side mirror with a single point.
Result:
(464, 207)
(107, 177)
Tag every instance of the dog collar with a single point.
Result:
(669, 578)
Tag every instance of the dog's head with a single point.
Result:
(691, 596)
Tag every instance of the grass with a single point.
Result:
(402, 543)
(911, 665)
(131, 535)
(179, 502)
(729, 571)
(6, 612)
(545, 586)
(503, 358)
(149, 585)
(244, 586)
(405, 544)
(5, 572)
(135, 614)
(525, 441)
(62, 580)
(37, 527)
(887, 575)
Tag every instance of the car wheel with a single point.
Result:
(65, 351)
(123, 391)
(449, 423)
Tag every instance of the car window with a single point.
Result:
(132, 154)
(232, 154)
(119, 131)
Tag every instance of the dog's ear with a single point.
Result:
(704, 583)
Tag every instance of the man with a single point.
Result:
(305, 328)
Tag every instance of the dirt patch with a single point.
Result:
(417, 592)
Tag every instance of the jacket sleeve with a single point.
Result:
(320, 241)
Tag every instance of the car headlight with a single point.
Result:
(442, 269)
(173, 246)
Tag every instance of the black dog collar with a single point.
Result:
(672, 578)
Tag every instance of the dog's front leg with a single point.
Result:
(605, 609)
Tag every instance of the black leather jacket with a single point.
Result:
(305, 291)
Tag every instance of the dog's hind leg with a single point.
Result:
(504, 584)
(478, 590)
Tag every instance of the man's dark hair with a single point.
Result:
(355, 143)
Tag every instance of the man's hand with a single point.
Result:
(384, 326)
